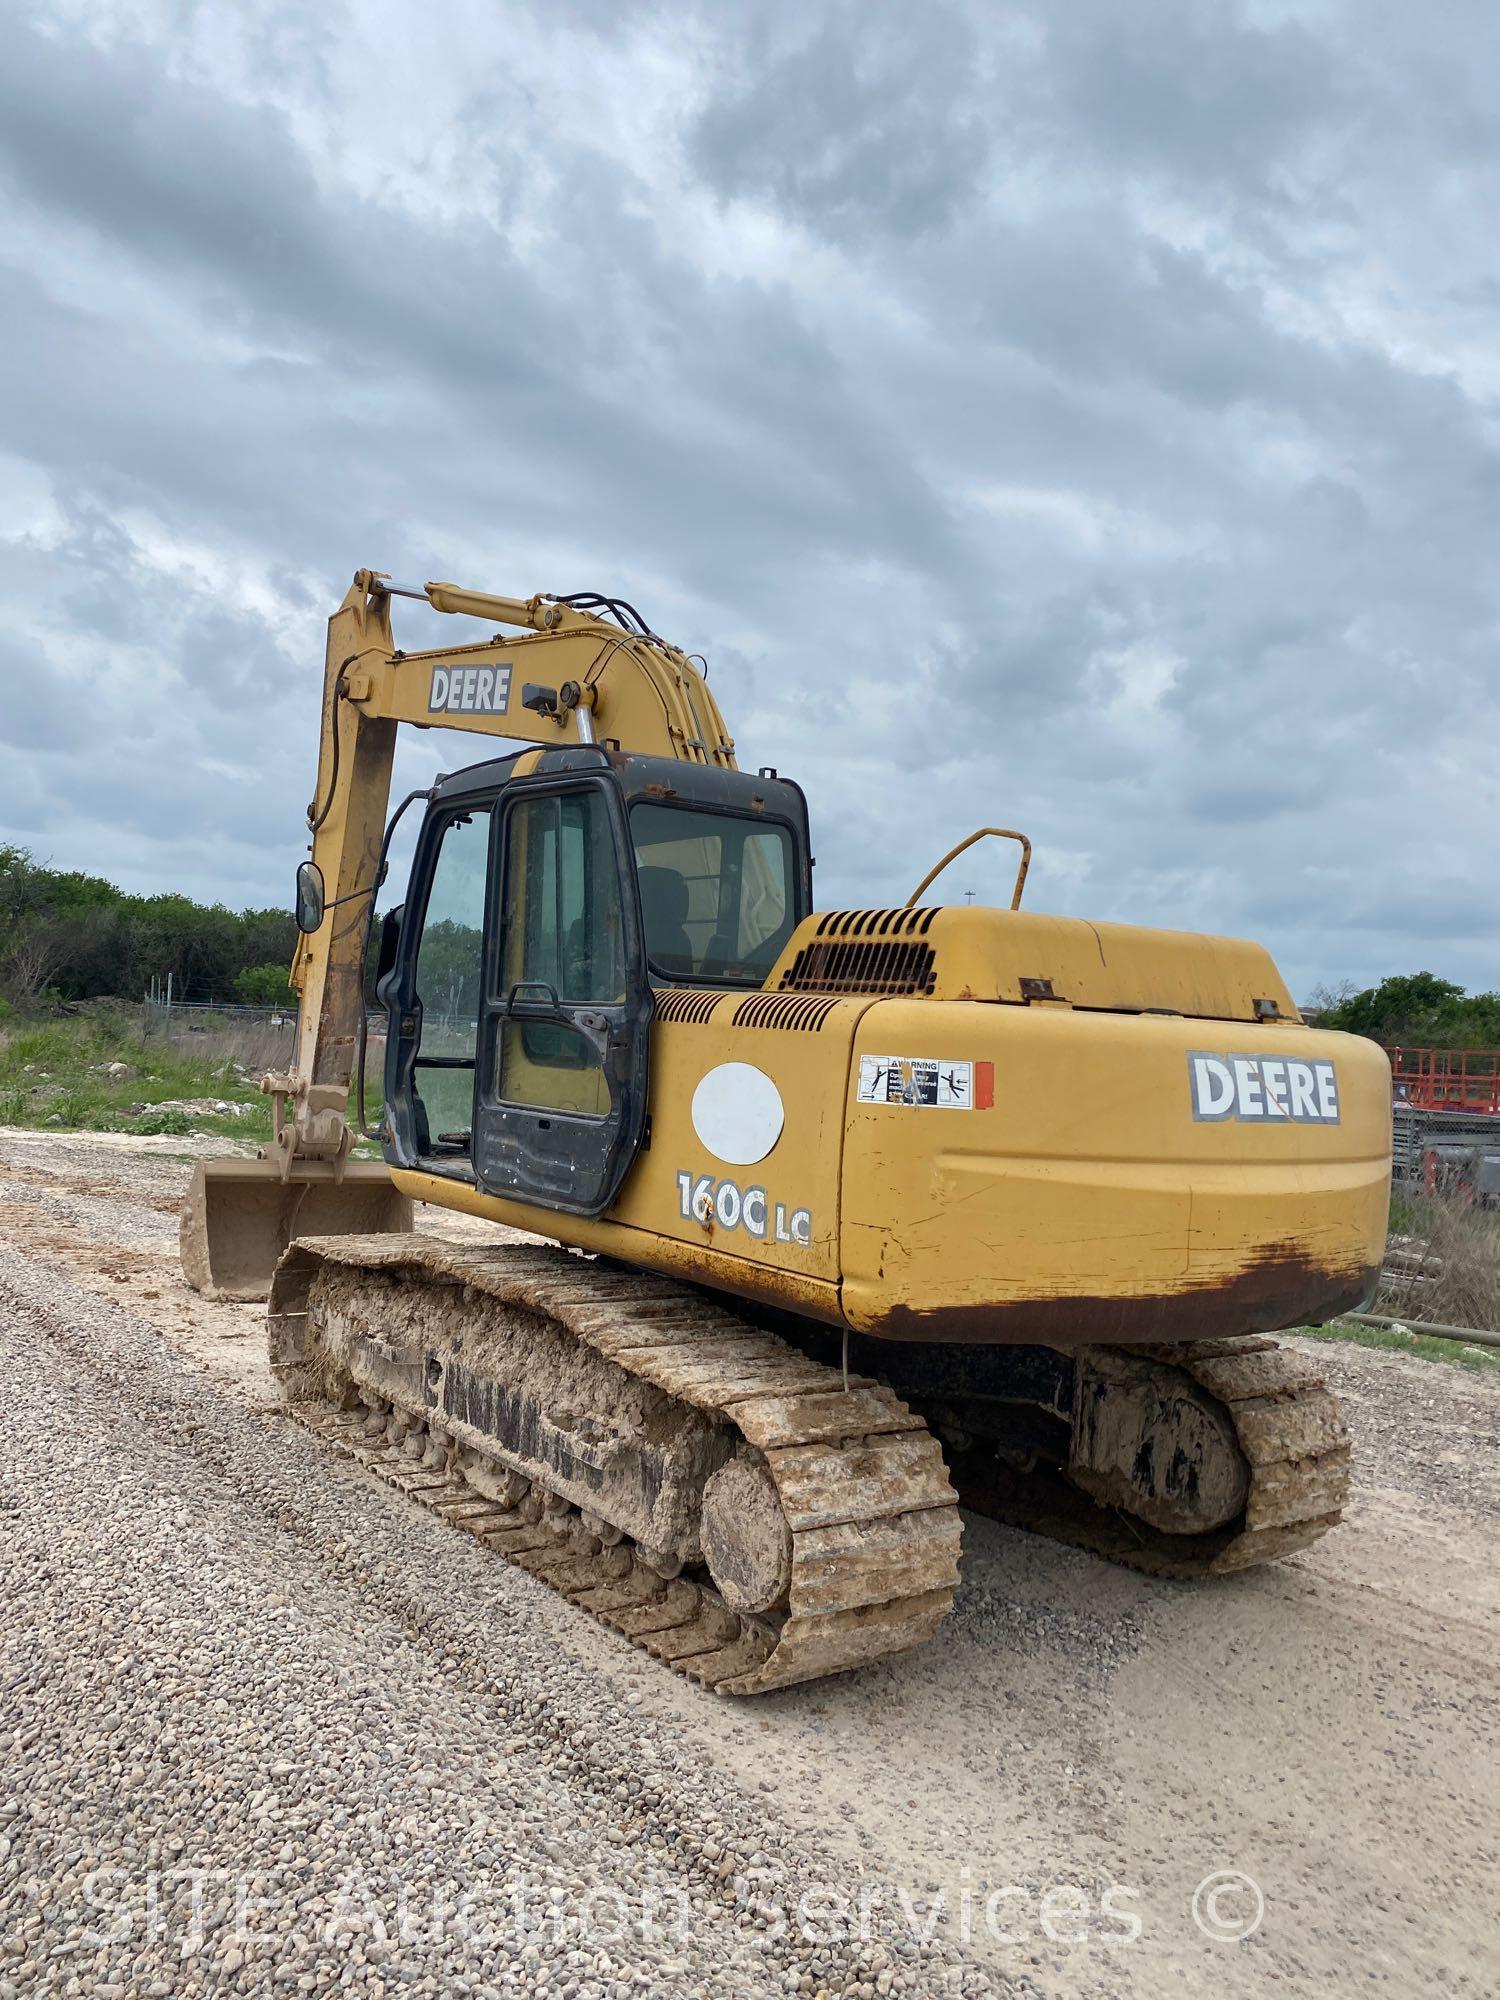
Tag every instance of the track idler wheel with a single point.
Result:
(747, 1543)
(1148, 1440)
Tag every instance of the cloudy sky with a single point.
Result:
(1083, 417)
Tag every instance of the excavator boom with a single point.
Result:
(567, 676)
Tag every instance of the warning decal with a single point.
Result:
(926, 1080)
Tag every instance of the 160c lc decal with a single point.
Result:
(704, 1199)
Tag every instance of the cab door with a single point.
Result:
(561, 1098)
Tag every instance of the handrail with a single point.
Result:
(981, 833)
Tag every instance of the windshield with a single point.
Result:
(716, 892)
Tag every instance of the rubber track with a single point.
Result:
(874, 1521)
(1292, 1433)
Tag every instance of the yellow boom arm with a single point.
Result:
(568, 677)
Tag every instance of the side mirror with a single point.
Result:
(309, 904)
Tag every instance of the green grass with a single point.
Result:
(1405, 1217)
(53, 1076)
(1421, 1345)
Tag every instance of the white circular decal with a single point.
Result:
(738, 1113)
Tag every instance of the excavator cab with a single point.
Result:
(551, 893)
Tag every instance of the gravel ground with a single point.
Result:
(228, 1655)
(1431, 1431)
(239, 1676)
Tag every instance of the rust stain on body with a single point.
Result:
(1281, 1287)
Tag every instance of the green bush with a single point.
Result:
(264, 986)
(1420, 1010)
(154, 1123)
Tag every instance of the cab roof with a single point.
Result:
(664, 780)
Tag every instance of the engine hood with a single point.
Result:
(1021, 958)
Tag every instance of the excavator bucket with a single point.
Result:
(239, 1215)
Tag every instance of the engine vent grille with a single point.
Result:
(875, 923)
(863, 965)
(796, 1011)
(685, 1003)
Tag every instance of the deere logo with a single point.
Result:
(1258, 1089)
(469, 690)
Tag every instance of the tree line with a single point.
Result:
(69, 936)
(1414, 1010)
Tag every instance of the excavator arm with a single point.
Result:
(560, 674)
(569, 677)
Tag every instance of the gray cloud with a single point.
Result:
(1080, 417)
(848, 129)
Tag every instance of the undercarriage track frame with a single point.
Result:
(874, 1523)
(873, 1518)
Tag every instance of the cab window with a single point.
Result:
(449, 962)
(716, 892)
(563, 943)
(562, 898)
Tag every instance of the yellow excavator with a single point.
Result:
(847, 1214)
